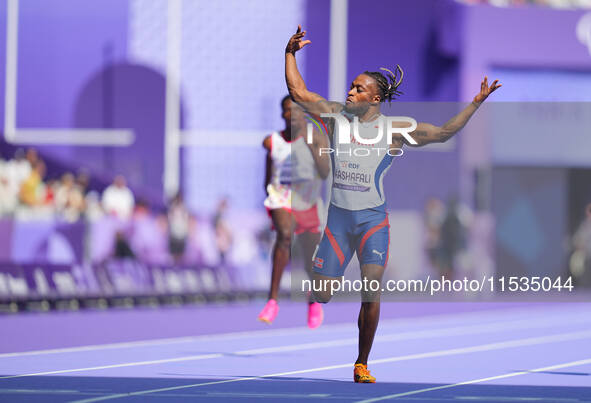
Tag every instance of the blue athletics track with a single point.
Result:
(423, 352)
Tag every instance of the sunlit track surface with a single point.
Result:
(537, 352)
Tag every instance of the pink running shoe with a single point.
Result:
(315, 315)
(269, 312)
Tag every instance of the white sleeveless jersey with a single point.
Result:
(359, 169)
(295, 182)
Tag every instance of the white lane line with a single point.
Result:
(171, 340)
(491, 378)
(411, 335)
(40, 391)
(429, 319)
(531, 341)
(424, 334)
(121, 365)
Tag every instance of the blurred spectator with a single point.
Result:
(434, 215)
(118, 199)
(69, 199)
(82, 181)
(20, 167)
(223, 235)
(76, 204)
(143, 237)
(580, 260)
(51, 188)
(8, 196)
(143, 232)
(62, 193)
(12, 175)
(178, 227)
(32, 189)
(453, 237)
(122, 248)
(31, 156)
(93, 210)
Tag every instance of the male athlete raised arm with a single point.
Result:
(312, 102)
(427, 133)
(357, 217)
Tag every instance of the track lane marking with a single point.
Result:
(428, 319)
(411, 335)
(441, 353)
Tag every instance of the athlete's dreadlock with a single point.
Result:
(387, 84)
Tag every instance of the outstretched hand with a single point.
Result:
(295, 42)
(485, 90)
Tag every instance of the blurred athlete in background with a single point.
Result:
(293, 182)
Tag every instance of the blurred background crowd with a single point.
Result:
(169, 234)
(26, 193)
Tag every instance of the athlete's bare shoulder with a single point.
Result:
(335, 107)
(320, 105)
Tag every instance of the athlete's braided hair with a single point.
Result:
(387, 84)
